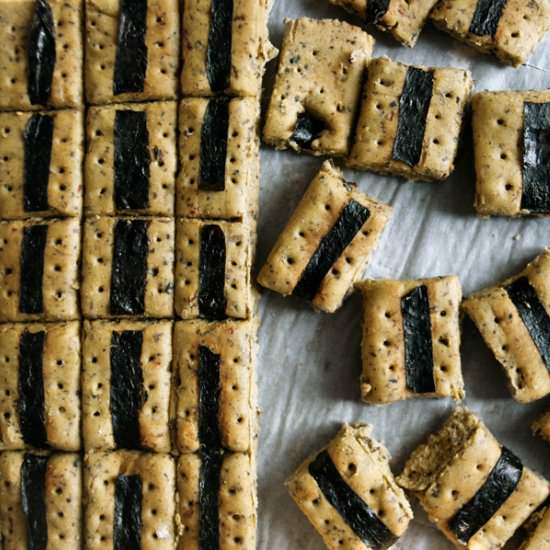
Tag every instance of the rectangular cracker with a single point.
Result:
(59, 286)
(538, 530)
(313, 219)
(359, 464)
(384, 377)
(454, 466)
(157, 473)
(234, 194)
(62, 490)
(104, 132)
(162, 51)
(317, 88)
(155, 358)
(97, 261)
(505, 333)
(231, 60)
(374, 146)
(60, 183)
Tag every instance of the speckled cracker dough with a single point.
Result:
(157, 472)
(383, 347)
(503, 330)
(538, 531)
(541, 426)
(379, 118)
(520, 28)
(237, 502)
(239, 198)
(15, 24)
(363, 464)
(60, 277)
(161, 41)
(97, 263)
(99, 165)
(63, 495)
(447, 471)
(403, 19)
(320, 80)
(313, 218)
(65, 175)
(497, 122)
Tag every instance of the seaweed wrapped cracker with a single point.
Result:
(541, 426)
(317, 87)
(538, 529)
(477, 492)
(410, 120)
(513, 318)
(411, 339)
(348, 493)
(327, 242)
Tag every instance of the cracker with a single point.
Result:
(39, 270)
(502, 325)
(538, 534)
(224, 181)
(155, 55)
(151, 265)
(356, 465)
(296, 264)
(541, 426)
(411, 339)
(157, 475)
(475, 491)
(393, 137)
(511, 33)
(317, 88)
(129, 172)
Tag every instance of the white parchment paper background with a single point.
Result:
(309, 363)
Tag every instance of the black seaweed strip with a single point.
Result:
(486, 17)
(213, 153)
(307, 129)
(533, 314)
(37, 136)
(33, 500)
(30, 384)
(32, 268)
(129, 267)
(131, 51)
(414, 105)
(41, 54)
(354, 510)
(536, 157)
(331, 247)
(417, 335)
(209, 490)
(376, 9)
(209, 392)
(212, 300)
(127, 515)
(127, 389)
(131, 160)
(218, 52)
(498, 487)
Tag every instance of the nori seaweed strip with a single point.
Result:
(536, 157)
(218, 52)
(41, 55)
(498, 487)
(331, 247)
(209, 393)
(131, 160)
(353, 509)
(131, 51)
(127, 516)
(33, 500)
(376, 9)
(30, 387)
(533, 314)
(213, 152)
(129, 267)
(38, 135)
(127, 390)
(209, 491)
(212, 300)
(32, 268)
(307, 129)
(414, 105)
(486, 17)
(417, 335)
